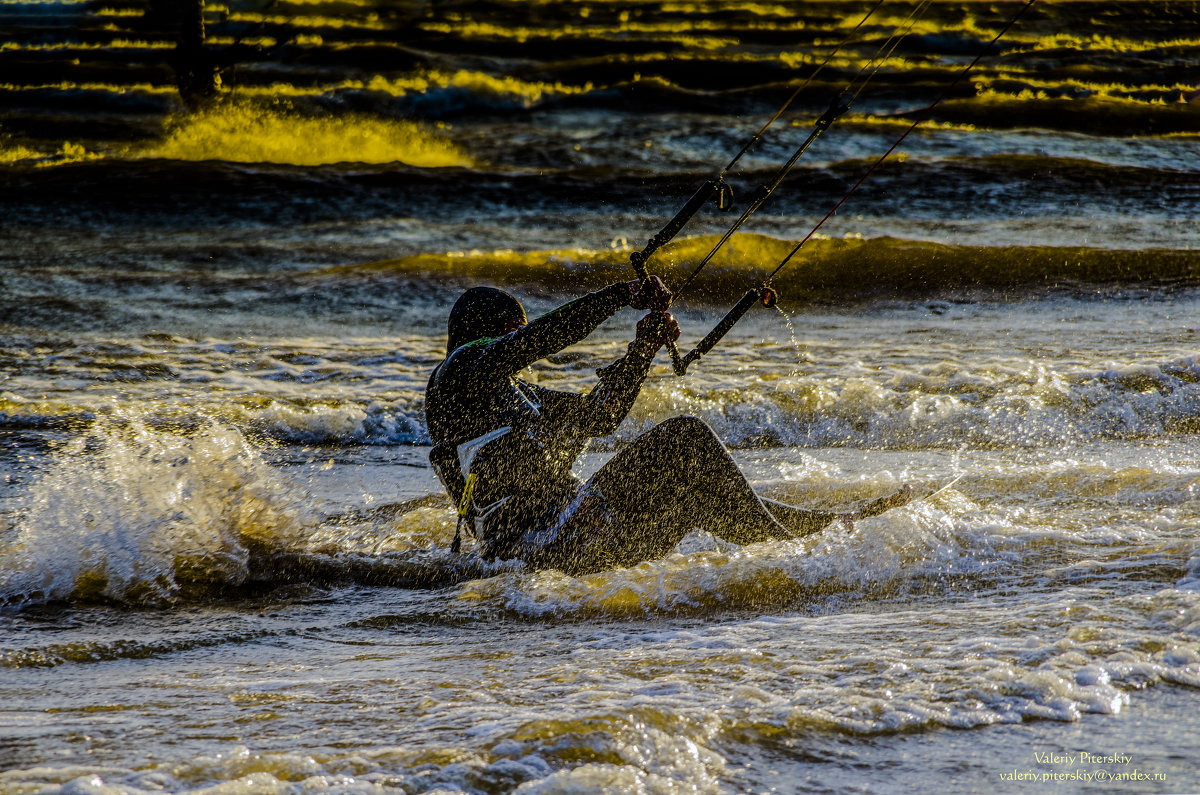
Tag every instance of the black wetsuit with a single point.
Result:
(522, 476)
(504, 449)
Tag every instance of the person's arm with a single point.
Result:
(569, 324)
(610, 401)
(554, 331)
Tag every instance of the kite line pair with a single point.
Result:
(719, 189)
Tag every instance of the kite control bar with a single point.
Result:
(714, 187)
(763, 295)
(718, 187)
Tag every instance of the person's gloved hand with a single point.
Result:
(654, 331)
(650, 293)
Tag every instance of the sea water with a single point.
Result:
(224, 560)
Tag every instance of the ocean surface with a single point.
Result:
(224, 560)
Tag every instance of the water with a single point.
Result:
(224, 561)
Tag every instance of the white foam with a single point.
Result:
(1033, 407)
(130, 513)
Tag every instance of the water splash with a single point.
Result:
(791, 327)
(132, 514)
(245, 133)
(19, 154)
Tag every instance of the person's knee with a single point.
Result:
(678, 444)
(686, 425)
(689, 430)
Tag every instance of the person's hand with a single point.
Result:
(656, 330)
(650, 293)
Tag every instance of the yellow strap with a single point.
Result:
(464, 505)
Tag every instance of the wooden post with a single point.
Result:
(197, 74)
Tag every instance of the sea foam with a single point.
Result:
(132, 514)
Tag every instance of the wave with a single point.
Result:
(1017, 404)
(1000, 407)
(1092, 115)
(825, 270)
(131, 516)
(54, 654)
(683, 85)
(128, 514)
(113, 79)
(249, 134)
(242, 165)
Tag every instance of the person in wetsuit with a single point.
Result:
(504, 447)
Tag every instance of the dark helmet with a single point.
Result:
(481, 312)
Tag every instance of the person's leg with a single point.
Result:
(679, 476)
(802, 522)
(676, 477)
(799, 521)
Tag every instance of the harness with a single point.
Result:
(452, 461)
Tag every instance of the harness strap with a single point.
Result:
(452, 462)
(464, 511)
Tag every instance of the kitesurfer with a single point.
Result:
(504, 447)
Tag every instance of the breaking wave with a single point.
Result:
(825, 270)
(243, 133)
(130, 514)
(994, 406)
